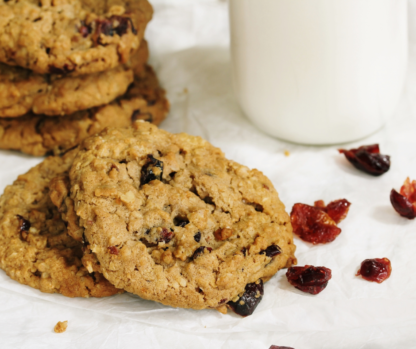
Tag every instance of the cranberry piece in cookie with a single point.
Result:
(375, 270)
(249, 301)
(272, 251)
(309, 279)
(152, 170)
(368, 159)
(405, 202)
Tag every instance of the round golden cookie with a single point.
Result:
(23, 91)
(35, 248)
(39, 134)
(170, 219)
(71, 36)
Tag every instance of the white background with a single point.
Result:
(189, 43)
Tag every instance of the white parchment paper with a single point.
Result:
(189, 45)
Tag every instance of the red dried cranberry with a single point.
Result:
(277, 347)
(197, 237)
(249, 301)
(272, 251)
(152, 170)
(199, 251)
(113, 250)
(165, 235)
(337, 209)
(309, 279)
(367, 158)
(376, 270)
(405, 202)
(313, 225)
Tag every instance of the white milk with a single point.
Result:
(319, 71)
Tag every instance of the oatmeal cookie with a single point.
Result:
(39, 134)
(71, 36)
(35, 248)
(170, 219)
(22, 91)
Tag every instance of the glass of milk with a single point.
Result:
(319, 71)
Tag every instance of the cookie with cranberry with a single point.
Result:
(170, 219)
(35, 248)
(71, 36)
(40, 134)
(23, 91)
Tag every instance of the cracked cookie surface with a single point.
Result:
(22, 91)
(71, 36)
(35, 248)
(170, 219)
(39, 134)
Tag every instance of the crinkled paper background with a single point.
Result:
(189, 43)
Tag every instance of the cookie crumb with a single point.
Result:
(287, 153)
(61, 327)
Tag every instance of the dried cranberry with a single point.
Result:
(113, 250)
(405, 202)
(337, 209)
(313, 225)
(23, 228)
(152, 170)
(367, 158)
(309, 279)
(84, 29)
(197, 237)
(24, 224)
(272, 251)
(377, 269)
(199, 251)
(277, 347)
(249, 301)
(124, 23)
(166, 235)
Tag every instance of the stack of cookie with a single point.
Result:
(70, 68)
(137, 209)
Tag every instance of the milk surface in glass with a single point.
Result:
(319, 71)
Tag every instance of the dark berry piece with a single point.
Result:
(122, 24)
(313, 225)
(367, 158)
(376, 270)
(24, 224)
(337, 209)
(180, 221)
(309, 279)
(405, 202)
(199, 251)
(152, 170)
(272, 251)
(166, 235)
(84, 29)
(248, 302)
(113, 250)
(197, 237)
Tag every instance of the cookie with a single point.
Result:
(39, 134)
(71, 36)
(22, 91)
(170, 219)
(35, 248)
